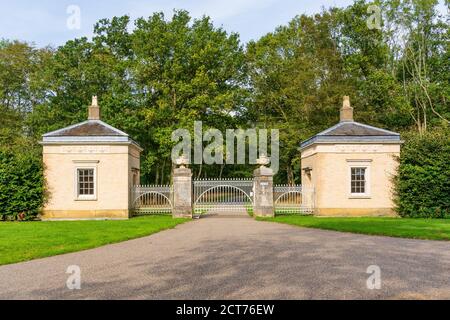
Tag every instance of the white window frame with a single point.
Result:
(85, 165)
(366, 164)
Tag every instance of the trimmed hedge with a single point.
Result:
(422, 185)
(22, 190)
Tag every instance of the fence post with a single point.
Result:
(182, 193)
(263, 192)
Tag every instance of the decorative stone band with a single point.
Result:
(349, 148)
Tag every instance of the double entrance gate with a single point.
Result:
(231, 196)
(228, 196)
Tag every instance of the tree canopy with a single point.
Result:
(165, 73)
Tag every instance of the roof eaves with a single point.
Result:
(85, 139)
(350, 139)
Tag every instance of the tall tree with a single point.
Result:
(398, 66)
(161, 76)
(424, 63)
(186, 71)
(298, 82)
(20, 88)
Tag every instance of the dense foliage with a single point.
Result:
(21, 185)
(397, 76)
(423, 180)
(164, 74)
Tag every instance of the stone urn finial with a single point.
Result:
(263, 160)
(182, 161)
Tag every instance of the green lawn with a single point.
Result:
(21, 241)
(434, 229)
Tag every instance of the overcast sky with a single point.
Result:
(44, 22)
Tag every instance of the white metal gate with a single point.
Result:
(214, 196)
(233, 196)
(293, 199)
(152, 199)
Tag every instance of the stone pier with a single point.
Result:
(182, 193)
(263, 192)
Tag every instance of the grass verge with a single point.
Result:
(432, 229)
(22, 241)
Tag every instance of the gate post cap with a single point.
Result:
(263, 171)
(182, 172)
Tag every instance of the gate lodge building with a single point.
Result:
(351, 166)
(89, 170)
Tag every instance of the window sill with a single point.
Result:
(360, 197)
(86, 199)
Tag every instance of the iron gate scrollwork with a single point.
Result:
(213, 196)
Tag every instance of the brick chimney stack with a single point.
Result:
(94, 110)
(346, 110)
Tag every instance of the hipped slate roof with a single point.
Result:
(90, 131)
(87, 128)
(353, 132)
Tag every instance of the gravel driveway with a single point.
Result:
(240, 258)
